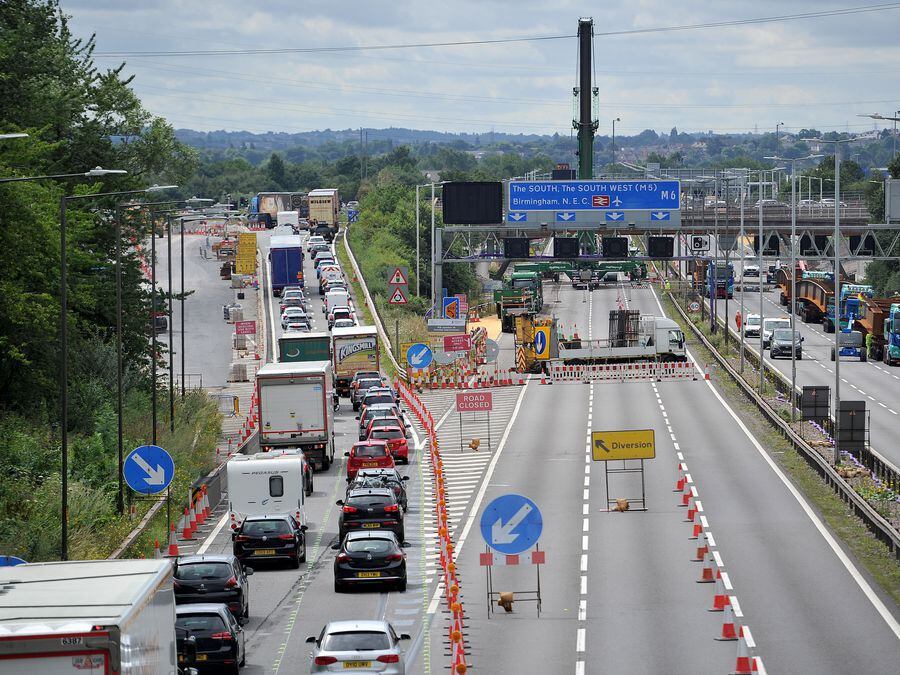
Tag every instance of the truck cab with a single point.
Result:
(522, 295)
(892, 336)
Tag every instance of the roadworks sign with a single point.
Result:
(630, 444)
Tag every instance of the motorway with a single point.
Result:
(619, 589)
(873, 382)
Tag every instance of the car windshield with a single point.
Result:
(203, 570)
(387, 435)
(772, 324)
(388, 419)
(752, 320)
(368, 451)
(783, 334)
(379, 398)
(201, 623)
(376, 546)
(368, 501)
(369, 383)
(258, 528)
(356, 641)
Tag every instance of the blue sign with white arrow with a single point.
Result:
(511, 524)
(148, 469)
(516, 217)
(593, 195)
(565, 217)
(419, 356)
(11, 561)
(352, 216)
(660, 215)
(615, 215)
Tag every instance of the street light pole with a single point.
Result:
(171, 327)
(418, 254)
(617, 119)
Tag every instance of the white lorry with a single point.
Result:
(102, 616)
(658, 338)
(289, 219)
(296, 409)
(267, 483)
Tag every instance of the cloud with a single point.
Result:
(812, 73)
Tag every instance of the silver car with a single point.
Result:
(368, 646)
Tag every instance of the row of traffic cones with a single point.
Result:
(712, 572)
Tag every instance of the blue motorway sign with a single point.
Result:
(11, 561)
(352, 216)
(148, 469)
(419, 356)
(511, 524)
(593, 195)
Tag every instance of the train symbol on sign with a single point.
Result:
(599, 201)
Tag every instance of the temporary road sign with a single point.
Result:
(245, 327)
(474, 401)
(398, 297)
(511, 524)
(632, 444)
(419, 356)
(573, 195)
(450, 308)
(148, 469)
(444, 358)
(399, 276)
(694, 306)
(491, 350)
(542, 342)
(446, 325)
(352, 216)
(457, 343)
(11, 561)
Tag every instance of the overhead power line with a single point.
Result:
(844, 11)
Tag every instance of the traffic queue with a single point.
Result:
(299, 399)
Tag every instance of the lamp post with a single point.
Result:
(617, 119)
(4, 137)
(777, 137)
(837, 290)
(96, 172)
(895, 119)
(793, 307)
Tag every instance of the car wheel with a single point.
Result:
(800, 356)
(295, 561)
(302, 558)
(401, 536)
(832, 353)
(862, 356)
(338, 587)
(326, 463)
(401, 585)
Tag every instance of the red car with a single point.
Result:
(368, 455)
(396, 441)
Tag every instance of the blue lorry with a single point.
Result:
(850, 306)
(286, 258)
(724, 280)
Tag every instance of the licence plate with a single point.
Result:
(368, 575)
(371, 524)
(201, 657)
(357, 664)
(370, 465)
(264, 551)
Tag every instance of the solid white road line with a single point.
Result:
(211, 537)
(848, 564)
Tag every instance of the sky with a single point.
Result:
(811, 73)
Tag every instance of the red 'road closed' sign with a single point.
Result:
(472, 401)
(599, 200)
(457, 343)
(245, 327)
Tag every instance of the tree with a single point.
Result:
(884, 275)
(275, 171)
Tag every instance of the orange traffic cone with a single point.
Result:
(728, 633)
(706, 574)
(185, 526)
(173, 543)
(156, 552)
(702, 547)
(720, 599)
(744, 663)
(679, 484)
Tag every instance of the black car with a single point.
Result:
(370, 509)
(370, 557)
(378, 395)
(275, 537)
(382, 478)
(213, 578)
(219, 637)
(780, 344)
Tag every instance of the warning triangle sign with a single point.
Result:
(397, 278)
(398, 297)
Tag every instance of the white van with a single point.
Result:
(336, 298)
(769, 326)
(289, 218)
(266, 483)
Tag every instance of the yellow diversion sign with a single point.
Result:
(631, 444)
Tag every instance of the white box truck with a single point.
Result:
(267, 483)
(99, 616)
(295, 409)
(289, 219)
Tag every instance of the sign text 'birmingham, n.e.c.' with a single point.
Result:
(593, 195)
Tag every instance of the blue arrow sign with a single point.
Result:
(615, 215)
(352, 216)
(565, 216)
(419, 356)
(593, 195)
(660, 215)
(540, 343)
(11, 561)
(148, 469)
(516, 217)
(511, 524)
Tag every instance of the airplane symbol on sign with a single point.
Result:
(617, 201)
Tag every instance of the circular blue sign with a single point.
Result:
(419, 356)
(148, 469)
(11, 561)
(511, 524)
